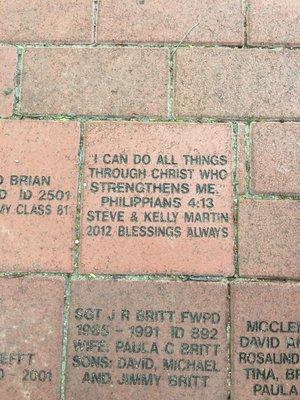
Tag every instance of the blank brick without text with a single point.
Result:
(241, 159)
(268, 238)
(275, 158)
(171, 21)
(119, 81)
(237, 83)
(51, 21)
(274, 22)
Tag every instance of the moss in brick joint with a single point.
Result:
(17, 80)
(235, 132)
(80, 183)
(246, 5)
(248, 149)
(270, 196)
(62, 118)
(67, 302)
(7, 91)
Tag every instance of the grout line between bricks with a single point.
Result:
(163, 45)
(18, 80)
(180, 278)
(248, 149)
(245, 8)
(20, 274)
(271, 196)
(148, 277)
(63, 376)
(228, 338)
(235, 198)
(171, 60)
(95, 20)
(143, 118)
(77, 242)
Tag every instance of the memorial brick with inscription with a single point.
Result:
(157, 198)
(149, 199)
(38, 190)
(149, 340)
(31, 316)
(266, 340)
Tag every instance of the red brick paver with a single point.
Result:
(237, 83)
(120, 81)
(269, 238)
(175, 212)
(171, 21)
(31, 338)
(8, 61)
(149, 340)
(38, 182)
(51, 21)
(265, 343)
(274, 22)
(276, 158)
(149, 160)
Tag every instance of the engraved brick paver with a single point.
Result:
(8, 60)
(229, 83)
(276, 158)
(30, 338)
(38, 179)
(265, 344)
(149, 177)
(51, 21)
(157, 199)
(269, 238)
(197, 21)
(119, 81)
(147, 340)
(274, 22)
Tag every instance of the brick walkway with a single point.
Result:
(149, 200)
